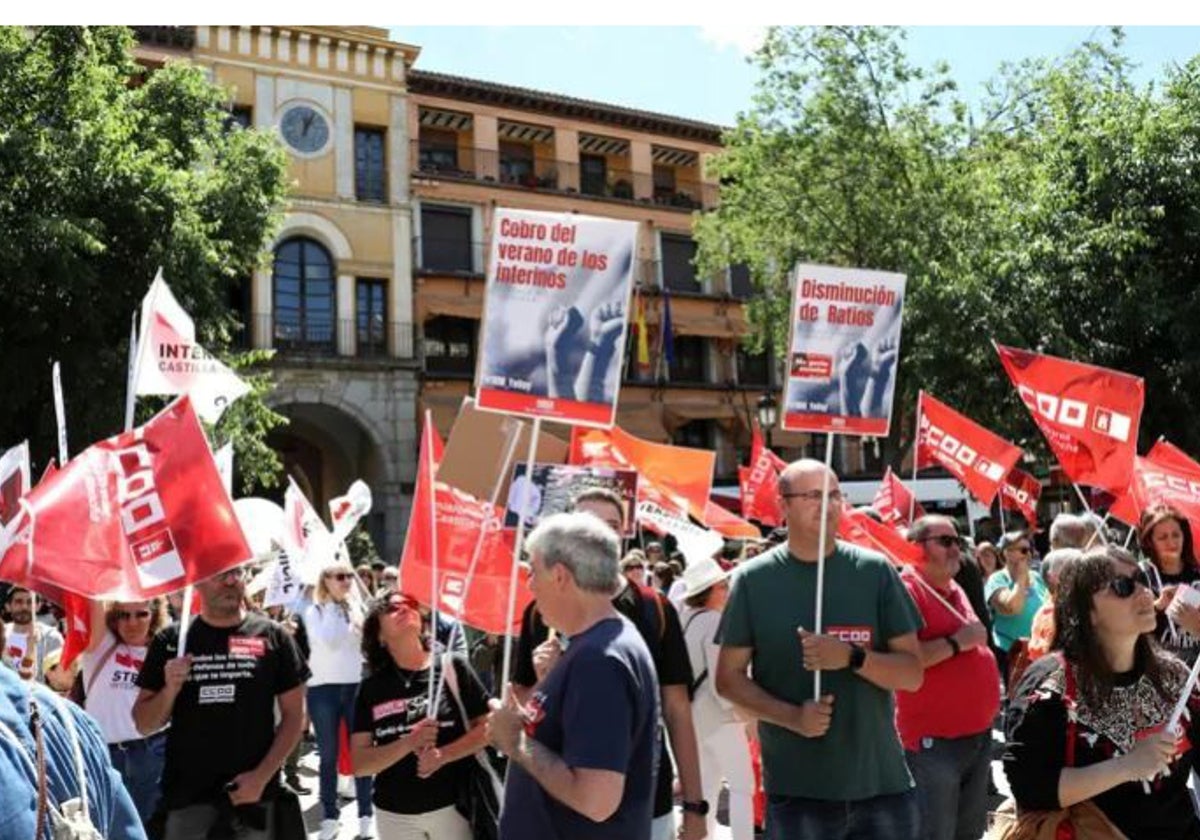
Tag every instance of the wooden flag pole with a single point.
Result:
(518, 545)
(821, 543)
(433, 554)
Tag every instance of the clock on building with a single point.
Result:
(305, 129)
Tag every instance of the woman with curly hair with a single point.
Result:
(1086, 726)
(109, 668)
(1166, 540)
(416, 757)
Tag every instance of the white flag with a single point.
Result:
(345, 511)
(171, 362)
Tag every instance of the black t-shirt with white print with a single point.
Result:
(223, 721)
(389, 704)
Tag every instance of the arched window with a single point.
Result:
(304, 296)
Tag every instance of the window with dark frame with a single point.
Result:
(437, 150)
(370, 301)
(697, 434)
(370, 163)
(691, 359)
(740, 284)
(516, 164)
(664, 182)
(678, 254)
(753, 368)
(446, 239)
(449, 345)
(593, 174)
(304, 296)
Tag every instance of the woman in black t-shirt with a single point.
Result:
(1087, 723)
(1166, 540)
(417, 758)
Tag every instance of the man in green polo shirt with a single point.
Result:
(834, 768)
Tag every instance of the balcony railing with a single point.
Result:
(541, 173)
(331, 338)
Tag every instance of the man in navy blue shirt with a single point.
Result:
(582, 749)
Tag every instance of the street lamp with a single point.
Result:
(768, 414)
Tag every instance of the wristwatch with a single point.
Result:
(700, 808)
(858, 656)
(954, 647)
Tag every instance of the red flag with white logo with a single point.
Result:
(1088, 414)
(78, 619)
(1166, 475)
(975, 456)
(1020, 492)
(893, 501)
(760, 491)
(460, 518)
(857, 527)
(138, 515)
(14, 481)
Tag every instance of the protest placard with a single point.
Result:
(555, 314)
(554, 486)
(845, 341)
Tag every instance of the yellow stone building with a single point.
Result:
(373, 294)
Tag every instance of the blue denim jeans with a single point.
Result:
(327, 706)
(893, 817)
(140, 764)
(952, 781)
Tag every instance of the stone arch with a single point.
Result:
(320, 229)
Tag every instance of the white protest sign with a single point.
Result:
(695, 541)
(555, 314)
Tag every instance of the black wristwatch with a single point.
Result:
(858, 656)
(700, 808)
(954, 646)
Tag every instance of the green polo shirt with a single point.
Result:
(860, 757)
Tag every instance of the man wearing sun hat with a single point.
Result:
(724, 748)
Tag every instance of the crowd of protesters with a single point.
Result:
(647, 687)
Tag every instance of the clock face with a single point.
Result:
(304, 129)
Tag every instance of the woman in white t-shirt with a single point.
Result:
(721, 736)
(333, 622)
(110, 665)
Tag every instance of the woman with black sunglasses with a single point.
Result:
(333, 623)
(1014, 594)
(105, 688)
(1087, 722)
(418, 758)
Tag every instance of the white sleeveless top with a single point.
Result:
(111, 695)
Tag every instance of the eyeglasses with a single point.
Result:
(944, 540)
(1123, 586)
(815, 495)
(637, 568)
(140, 615)
(340, 577)
(1020, 549)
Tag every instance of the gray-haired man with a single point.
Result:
(582, 748)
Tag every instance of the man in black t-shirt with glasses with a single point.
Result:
(224, 749)
(658, 622)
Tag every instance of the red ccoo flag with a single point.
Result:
(893, 501)
(138, 515)
(1166, 475)
(859, 528)
(976, 457)
(460, 517)
(760, 489)
(1089, 415)
(1020, 492)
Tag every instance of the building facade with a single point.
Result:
(372, 294)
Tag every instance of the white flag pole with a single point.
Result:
(131, 379)
(60, 415)
(821, 543)
(514, 435)
(518, 544)
(433, 547)
(912, 499)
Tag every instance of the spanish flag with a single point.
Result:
(643, 337)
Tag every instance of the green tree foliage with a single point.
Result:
(1060, 216)
(110, 172)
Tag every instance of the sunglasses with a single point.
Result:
(1123, 586)
(635, 568)
(396, 605)
(835, 496)
(140, 615)
(340, 577)
(1020, 549)
(944, 540)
